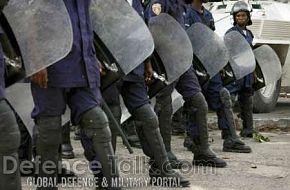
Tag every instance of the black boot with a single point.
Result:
(9, 143)
(25, 148)
(48, 139)
(232, 143)
(66, 147)
(196, 111)
(178, 126)
(246, 105)
(130, 131)
(165, 174)
(117, 113)
(152, 144)
(164, 111)
(187, 143)
(64, 173)
(95, 125)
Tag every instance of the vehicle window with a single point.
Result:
(256, 6)
(221, 6)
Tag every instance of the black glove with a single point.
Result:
(3, 3)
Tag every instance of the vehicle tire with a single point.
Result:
(266, 98)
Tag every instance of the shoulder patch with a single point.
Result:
(156, 8)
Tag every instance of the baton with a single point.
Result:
(117, 126)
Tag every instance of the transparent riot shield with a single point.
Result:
(172, 46)
(242, 59)
(23, 104)
(42, 30)
(208, 48)
(269, 64)
(122, 31)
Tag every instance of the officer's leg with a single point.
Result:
(48, 140)
(246, 105)
(226, 121)
(163, 109)
(178, 125)
(197, 109)
(86, 112)
(66, 147)
(112, 99)
(49, 105)
(130, 130)
(95, 125)
(9, 143)
(25, 148)
(146, 122)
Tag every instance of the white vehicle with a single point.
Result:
(271, 25)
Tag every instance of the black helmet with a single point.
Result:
(242, 6)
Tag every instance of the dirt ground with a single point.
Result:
(267, 167)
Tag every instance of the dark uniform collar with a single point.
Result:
(240, 29)
(204, 11)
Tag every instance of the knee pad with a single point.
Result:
(94, 123)
(164, 101)
(9, 132)
(196, 103)
(246, 103)
(145, 116)
(48, 130)
(117, 113)
(225, 98)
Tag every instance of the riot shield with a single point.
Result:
(42, 30)
(122, 31)
(242, 59)
(20, 98)
(172, 46)
(269, 64)
(208, 48)
(22, 103)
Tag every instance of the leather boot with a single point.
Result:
(178, 126)
(187, 143)
(9, 143)
(164, 111)
(48, 133)
(66, 147)
(246, 105)
(152, 144)
(196, 112)
(117, 113)
(95, 125)
(130, 131)
(232, 143)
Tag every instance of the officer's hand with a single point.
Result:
(223, 73)
(3, 3)
(102, 70)
(148, 72)
(40, 78)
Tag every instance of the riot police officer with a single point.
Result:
(188, 86)
(134, 92)
(73, 81)
(9, 133)
(214, 89)
(243, 88)
(218, 97)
